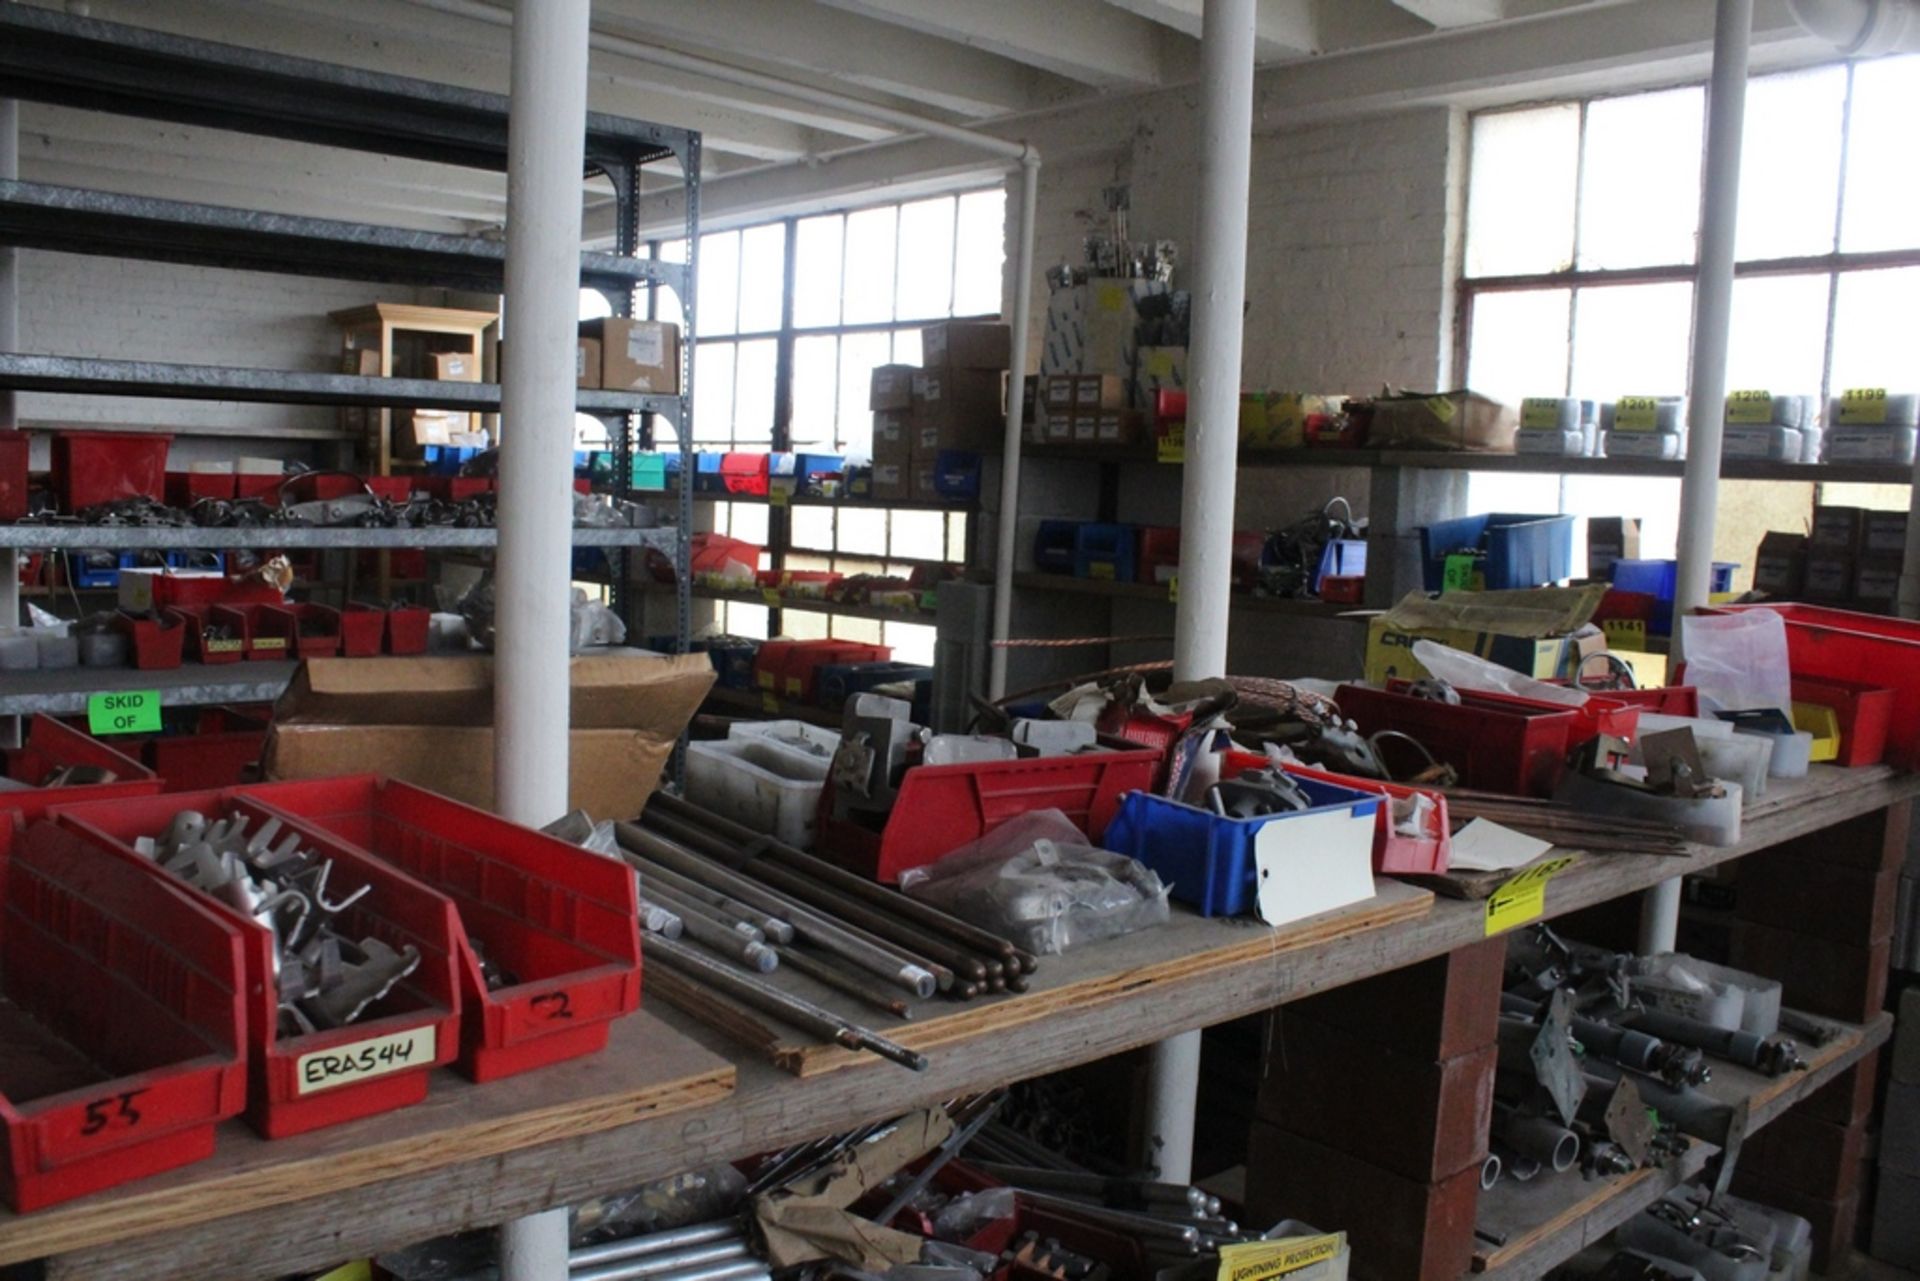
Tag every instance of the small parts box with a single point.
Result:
(155, 644)
(218, 749)
(1521, 551)
(1509, 746)
(375, 1064)
(13, 475)
(94, 467)
(558, 920)
(52, 748)
(1394, 852)
(943, 807)
(1837, 645)
(265, 631)
(362, 629)
(121, 1000)
(1325, 853)
(789, 668)
(312, 631)
(407, 629)
(211, 636)
(1862, 711)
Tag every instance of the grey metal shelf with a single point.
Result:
(75, 220)
(167, 538)
(81, 375)
(64, 691)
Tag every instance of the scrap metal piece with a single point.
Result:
(371, 971)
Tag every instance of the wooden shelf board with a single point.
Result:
(1160, 593)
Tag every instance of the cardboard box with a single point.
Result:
(1807, 1155)
(1829, 576)
(963, 409)
(891, 387)
(1873, 842)
(429, 720)
(1834, 980)
(1838, 528)
(966, 344)
(1900, 1130)
(1876, 582)
(892, 437)
(1848, 1098)
(1780, 566)
(454, 366)
(1120, 427)
(891, 482)
(923, 480)
(1612, 538)
(1462, 421)
(637, 355)
(1529, 631)
(1058, 391)
(1906, 1039)
(1094, 328)
(420, 427)
(1896, 1219)
(1096, 394)
(362, 362)
(1884, 533)
(1278, 419)
(586, 363)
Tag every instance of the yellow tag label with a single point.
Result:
(1863, 405)
(770, 596)
(1440, 407)
(1540, 413)
(358, 1270)
(1750, 408)
(1102, 569)
(793, 687)
(765, 679)
(1263, 1260)
(363, 1060)
(1524, 897)
(768, 703)
(1625, 633)
(269, 642)
(1172, 446)
(1173, 589)
(1636, 413)
(1110, 297)
(780, 494)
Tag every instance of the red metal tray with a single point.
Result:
(301, 1083)
(124, 1017)
(1393, 852)
(943, 807)
(156, 644)
(559, 919)
(1513, 747)
(51, 746)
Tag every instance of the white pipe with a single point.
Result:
(1007, 532)
(1212, 460)
(534, 1248)
(9, 341)
(1862, 28)
(546, 136)
(1660, 918)
(1909, 602)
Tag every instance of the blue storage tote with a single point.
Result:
(1522, 551)
(810, 471)
(1660, 579)
(956, 474)
(1053, 545)
(1208, 861)
(1107, 552)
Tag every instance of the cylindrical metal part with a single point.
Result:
(674, 901)
(658, 920)
(652, 1265)
(1489, 1172)
(742, 1270)
(1537, 1138)
(820, 971)
(1126, 1220)
(1747, 1049)
(1173, 1074)
(534, 1248)
(657, 1242)
(1520, 1169)
(772, 928)
(710, 933)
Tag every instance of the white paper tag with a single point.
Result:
(647, 345)
(363, 1060)
(1312, 863)
(579, 362)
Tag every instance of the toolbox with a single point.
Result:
(1511, 746)
(940, 808)
(1841, 645)
(52, 746)
(1210, 862)
(559, 921)
(122, 1001)
(304, 1082)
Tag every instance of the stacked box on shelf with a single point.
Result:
(957, 407)
(1780, 429)
(1644, 427)
(1421, 1044)
(1871, 425)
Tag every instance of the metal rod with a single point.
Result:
(772, 928)
(649, 1265)
(782, 1005)
(710, 933)
(656, 1242)
(686, 905)
(821, 972)
(1006, 539)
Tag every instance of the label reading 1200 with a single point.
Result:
(363, 1060)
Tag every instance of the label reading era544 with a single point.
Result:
(363, 1060)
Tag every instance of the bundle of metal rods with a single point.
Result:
(1549, 821)
(713, 888)
(717, 1251)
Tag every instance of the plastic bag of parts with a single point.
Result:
(1738, 661)
(962, 1217)
(696, 1196)
(1470, 671)
(589, 622)
(1035, 880)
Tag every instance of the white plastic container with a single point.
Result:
(1891, 445)
(763, 784)
(1813, 444)
(19, 652)
(798, 736)
(1754, 1000)
(1792, 753)
(1709, 820)
(57, 648)
(1645, 444)
(1730, 757)
(1772, 444)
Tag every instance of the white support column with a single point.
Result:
(1007, 531)
(545, 144)
(9, 341)
(1706, 411)
(1213, 446)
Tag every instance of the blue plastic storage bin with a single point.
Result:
(835, 683)
(1660, 579)
(808, 468)
(1522, 551)
(1053, 545)
(1208, 861)
(732, 661)
(706, 473)
(956, 474)
(1343, 558)
(447, 460)
(1106, 551)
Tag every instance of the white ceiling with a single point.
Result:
(975, 62)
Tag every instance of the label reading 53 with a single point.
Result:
(115, 1112)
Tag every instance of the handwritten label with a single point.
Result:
(1863, 405)
(115, 1112)
(1750, 408)
(1458, 574)
(363, 1060)
(1524, 897)
(124, 712)
(1636, 413)
(1171, 446)
(1540, 413)
(1264, 1260)
(553, 1005)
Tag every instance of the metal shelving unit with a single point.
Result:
(54, 57)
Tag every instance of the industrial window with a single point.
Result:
(1582, 243)
(807, 333)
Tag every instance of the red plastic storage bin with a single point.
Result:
(200, 646)
(301, 1083)
(1393, 851)
(742, 473)
(942, 807)
(1603, 713)
(155, 643)
(559, 919)
(222, 748)
(125, 1016)
(362, 628)
(1863, 709)
(185, 488)
(1841, 645)
(1515, 747)
(13, 475)
(803, 662)
(395, 489)
(52, 746)
(316, 486)
(457, 489)
(266, 630)
(313, 631)
(407, 629)
(1667, 700)
(94, 467)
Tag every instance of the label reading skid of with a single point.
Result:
(363, 1060)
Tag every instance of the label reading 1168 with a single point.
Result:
(363, 1060)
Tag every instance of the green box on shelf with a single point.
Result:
(649, 471)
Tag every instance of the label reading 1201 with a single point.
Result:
(363, 1060)
(1636, 413)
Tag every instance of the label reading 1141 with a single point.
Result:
(1636, 413)
(363, 1060)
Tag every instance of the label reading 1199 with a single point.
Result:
(363, 1060)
